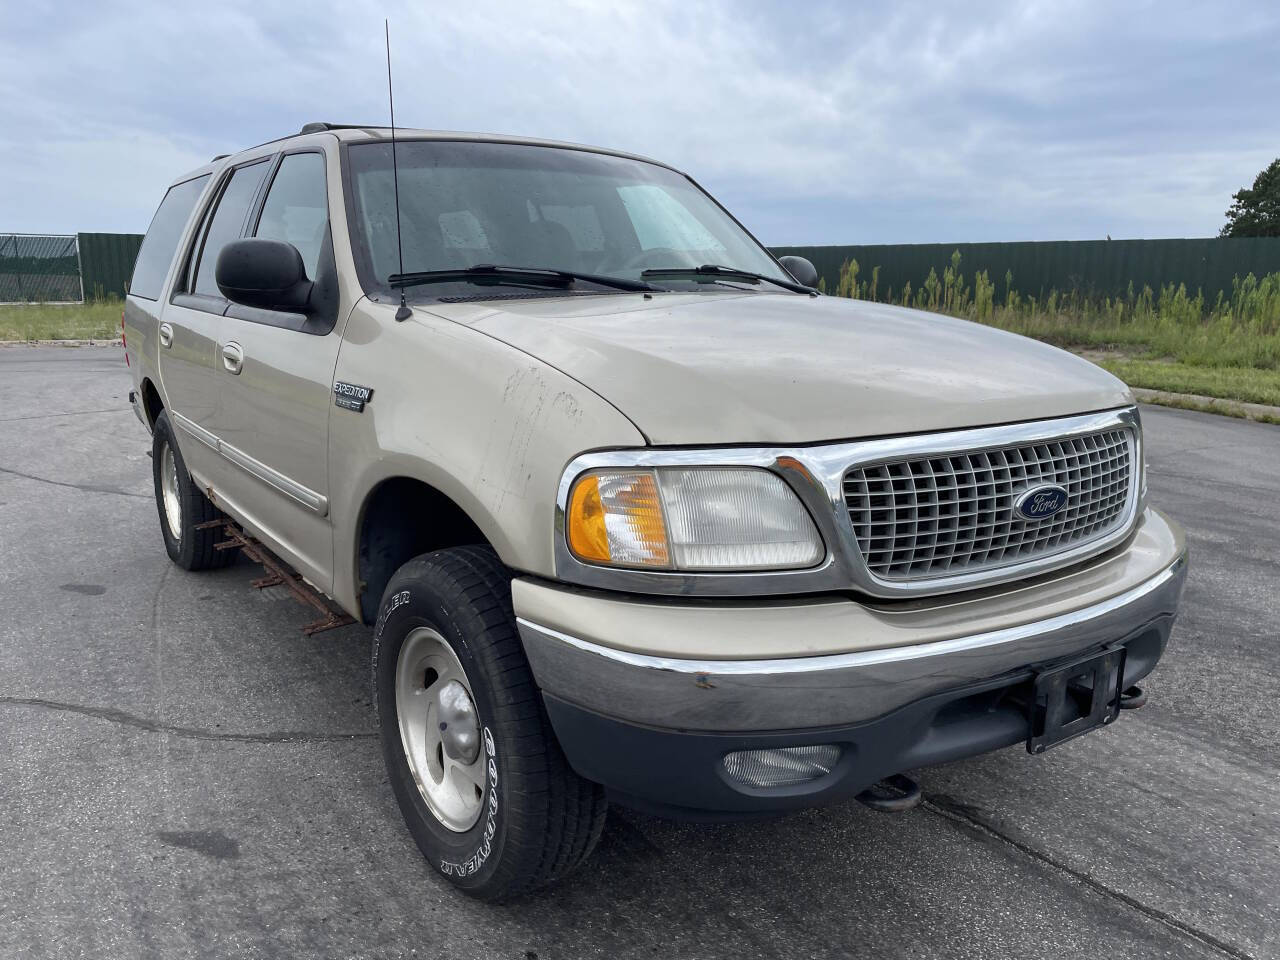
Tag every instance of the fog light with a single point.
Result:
(781, 766)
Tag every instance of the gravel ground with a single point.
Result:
(183, 774)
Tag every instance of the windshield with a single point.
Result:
(464, 204)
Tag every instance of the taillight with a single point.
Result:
(123, 343)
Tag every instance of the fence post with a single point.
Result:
(79, 265)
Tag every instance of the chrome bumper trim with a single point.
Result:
(741, 695)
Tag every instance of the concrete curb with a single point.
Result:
(61, 343)
(1258, 412)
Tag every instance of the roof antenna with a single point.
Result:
(403, 312)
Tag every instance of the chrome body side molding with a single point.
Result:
(195, 430)
(256, 468)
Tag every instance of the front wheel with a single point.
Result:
(481, 781)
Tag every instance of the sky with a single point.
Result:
(819, 122)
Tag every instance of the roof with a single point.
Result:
(353, 133)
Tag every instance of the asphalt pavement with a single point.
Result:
(183, 774)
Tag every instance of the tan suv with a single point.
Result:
(632, 510)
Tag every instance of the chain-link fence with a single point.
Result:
(39, 269)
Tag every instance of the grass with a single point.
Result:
(1233, 383)
(1167, 340)
(96, 320)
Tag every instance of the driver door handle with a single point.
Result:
(232, 357)
(166, 335)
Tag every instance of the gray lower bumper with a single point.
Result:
(789, 694)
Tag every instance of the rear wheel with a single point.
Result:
(183, 506)
(483, 785)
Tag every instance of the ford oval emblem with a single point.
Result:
(1042, 502)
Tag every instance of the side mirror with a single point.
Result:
(263, 273)
(800, 268)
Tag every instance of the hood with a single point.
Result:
(763, 368)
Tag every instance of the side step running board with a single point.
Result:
(277, 575)
(895, 794)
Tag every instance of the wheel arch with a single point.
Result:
(151, 402)
(402, 516)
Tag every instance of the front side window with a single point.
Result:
(465, 204)
(296, 209)
(161, 242)
(228, 222)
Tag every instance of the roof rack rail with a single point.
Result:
(221, 156)
(319, 126)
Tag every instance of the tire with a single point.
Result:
(537, 820)
(183, 506)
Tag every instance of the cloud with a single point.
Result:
(825, 122)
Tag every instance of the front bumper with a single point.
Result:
(655, 727)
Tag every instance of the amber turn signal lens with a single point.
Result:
(615, 517)
(588, 538)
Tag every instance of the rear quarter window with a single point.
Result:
(161, 242)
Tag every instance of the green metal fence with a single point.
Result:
(1094, 268)
(96, 265)
(42, 268)
(38, 268)
(106, 262)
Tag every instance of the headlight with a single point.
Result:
(690, 518)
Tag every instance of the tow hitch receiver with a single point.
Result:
(895, 794)
(1075, 697)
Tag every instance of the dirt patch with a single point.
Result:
(1104, 354)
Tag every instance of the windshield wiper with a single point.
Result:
(491, 273)
(714, 271)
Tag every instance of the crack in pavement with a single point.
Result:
(112, 715)
(50, 416)
(89, 487)
(157, 646)
(960, 814)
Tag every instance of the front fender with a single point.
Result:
(483, 423)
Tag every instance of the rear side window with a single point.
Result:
(228, 222)
(161, 242)
(297, 210)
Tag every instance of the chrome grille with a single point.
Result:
(949, 514)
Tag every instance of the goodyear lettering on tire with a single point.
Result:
(485, 847)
